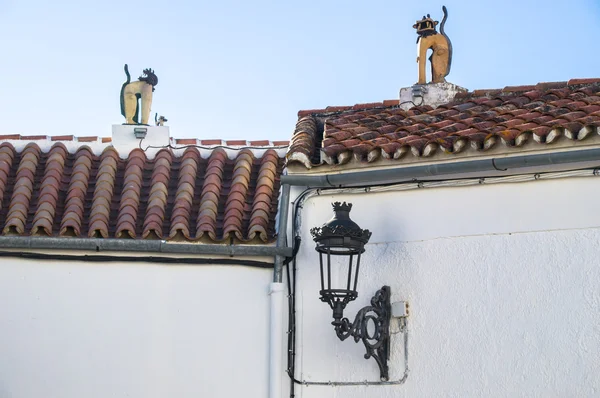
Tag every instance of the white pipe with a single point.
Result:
(276, 340)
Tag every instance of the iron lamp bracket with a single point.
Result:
(371, 326)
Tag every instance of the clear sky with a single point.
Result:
(242, 69)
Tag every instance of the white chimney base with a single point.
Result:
(124, 138)
(432, 94)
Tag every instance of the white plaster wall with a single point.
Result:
(71, 329)
(503, 283)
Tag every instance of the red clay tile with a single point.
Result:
(157, 200)
(583, 81)
(130, 195)
(34, 137)
(259, 218)
(550, 85)
(19, 204)
(87, 139)
(236, 142)
(106, 139)
(182, 210)
(10, 137)
(337, 108)
(100, 210)
(310, 112)
(209, 200)
(234, 206)
(367, 106)
(186, 141)
(518, 88)
(211, 142)
(50, 186)
(281, 143)
(62, 138)
(7, 155)
(260, 143)
(486, 92)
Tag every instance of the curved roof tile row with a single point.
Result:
(56, 193)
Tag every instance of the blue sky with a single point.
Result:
(242, 69)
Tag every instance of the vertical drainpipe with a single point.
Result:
(276, 290)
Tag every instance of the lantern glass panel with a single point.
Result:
(340, 243)
(339, 277)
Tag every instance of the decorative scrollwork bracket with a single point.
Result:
(376, 338)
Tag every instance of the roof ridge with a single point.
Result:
(542, 86)
(178, 141)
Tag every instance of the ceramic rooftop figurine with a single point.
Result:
(132, 92)
(160, 121)
(441, 59)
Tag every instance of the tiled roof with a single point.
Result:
(213, 198)
(478, 121)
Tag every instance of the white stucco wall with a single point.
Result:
(71, 329)
(503, 283)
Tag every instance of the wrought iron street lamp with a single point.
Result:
(340, 243)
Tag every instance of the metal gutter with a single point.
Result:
(383, 176)
(145, 246)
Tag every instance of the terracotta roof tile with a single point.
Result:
(54, 138)
(103, 192)
(186, 141)
(130, 194)
(264, 201)
(7, 155)
(184, 197)
(159, 193)
(73, 216)
(87, 139)
(33, 137)
(512, 115)
(237, 142)
(211, 142)
(49, 191)
(211, 192)
(260, 143)
(16, 219)
(62, 138)
(583, 81)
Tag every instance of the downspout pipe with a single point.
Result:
(284, 211)
(395, 175)
(276, 294)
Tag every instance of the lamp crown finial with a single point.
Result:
(341, 206)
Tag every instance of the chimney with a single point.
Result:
(432, 94)
(127, 137)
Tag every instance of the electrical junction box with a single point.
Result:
(400, 309)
